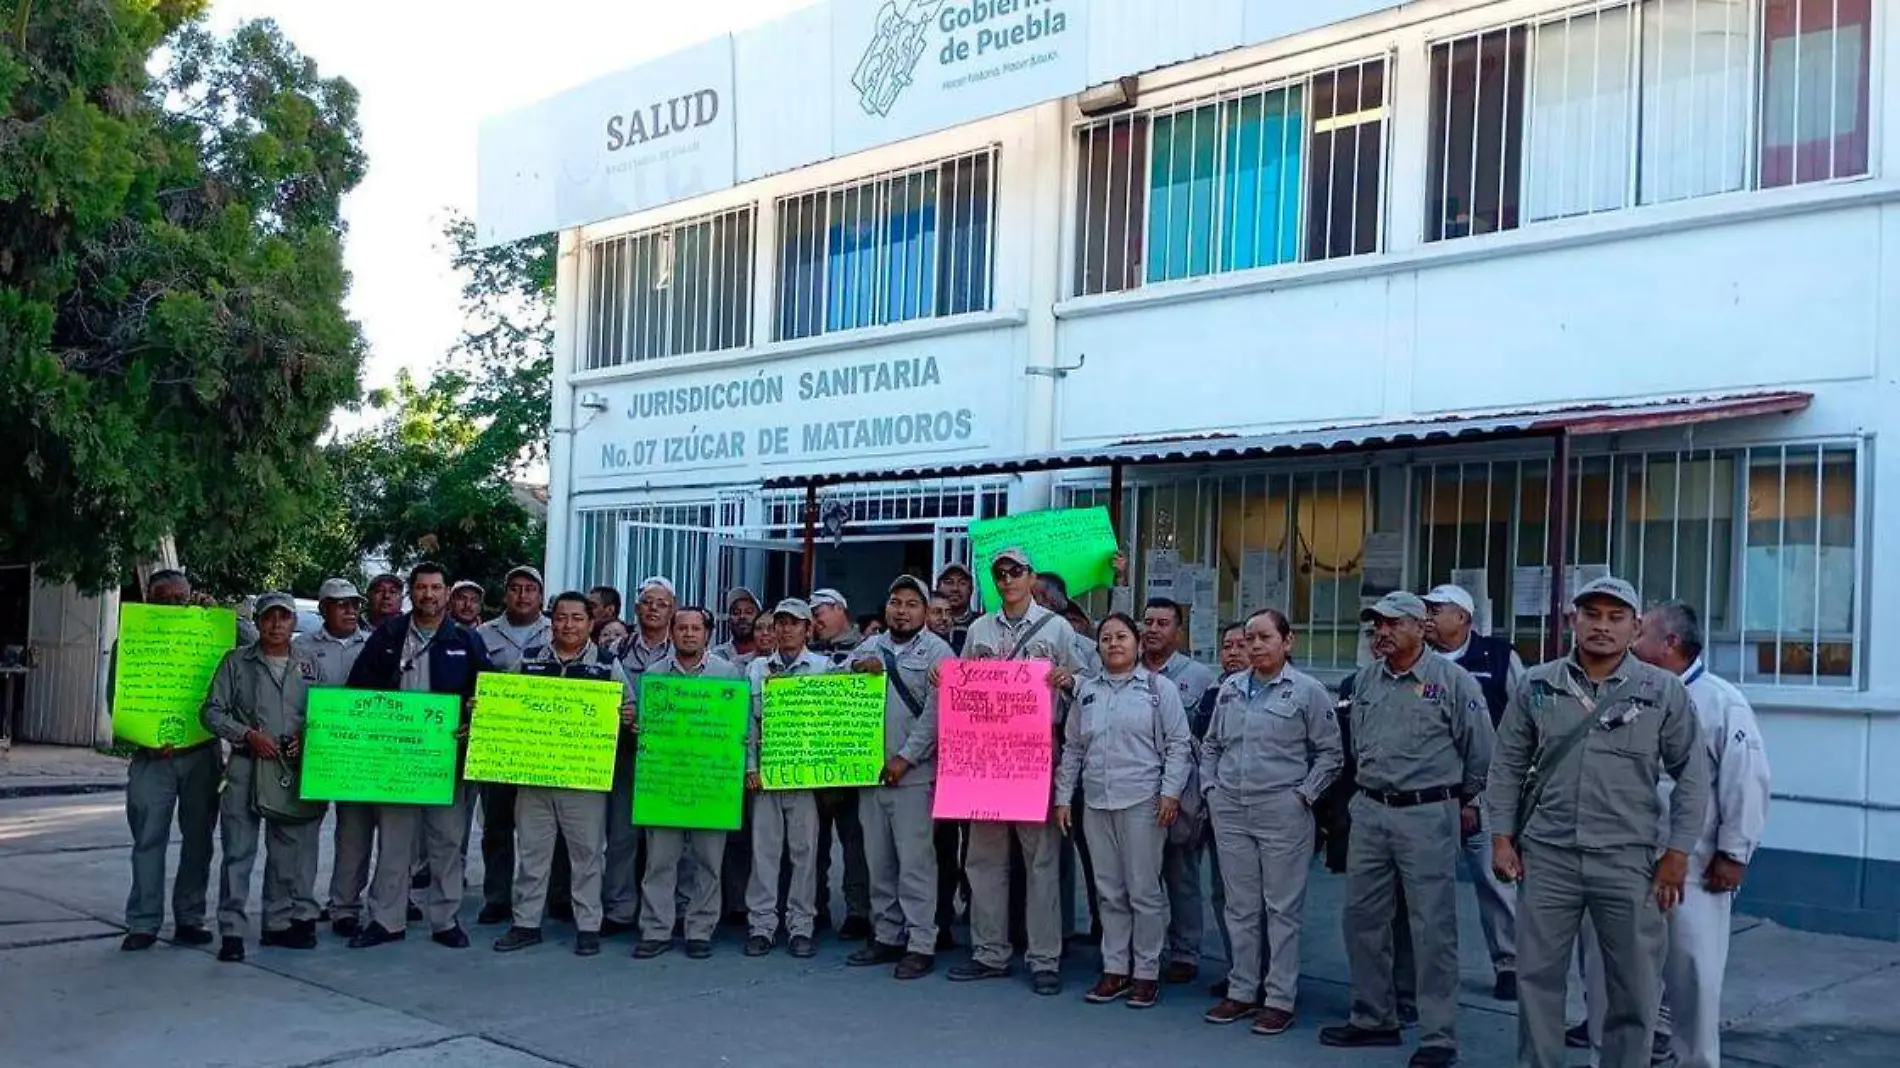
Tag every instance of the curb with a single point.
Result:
(59, 789)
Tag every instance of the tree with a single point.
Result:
(172, 333)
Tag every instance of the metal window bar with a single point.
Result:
(675, 290)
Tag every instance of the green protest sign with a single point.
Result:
(821, 730)
(392, 748)
(1076, 543)
(166, 658)
(538, 730)
(690, 771)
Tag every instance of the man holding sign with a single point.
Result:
(896, 815)
(783, 821)
(167, 776)
(542, 812)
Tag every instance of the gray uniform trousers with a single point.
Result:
(660, 891)
(784, 823)
(1181, 872)
(1127, 847)
(290, 857)
(986, 866)
(1266, 849)
(1497, 913)
(1611, 887)
(354, 839)
(1415, 848)
(156, 788)
(902, 859)
(620, 873)
(541, 816)
(437, 832)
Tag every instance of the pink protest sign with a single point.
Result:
(995, 739)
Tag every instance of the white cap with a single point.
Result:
(1451, 593)
(338, 589)
(821, 598)
(656, 583)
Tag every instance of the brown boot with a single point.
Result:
(1272, 1021)
(1143, 994)
(1107, 989)
(1229, 1011)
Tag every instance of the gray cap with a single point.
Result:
(524, 570)
(276, 600)
(1013, 554)
(1450, 593)
(1395, 605)
(911, 582)
(954, 566)
(1613, 588)
(735, 594)
(386, 577)
(792, 606)
(467, 584)
(656, 582)
(338, 589)
(821, 598)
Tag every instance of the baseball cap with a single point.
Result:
(656, 582)
(820, 598)
(738, 593)
(1451, 593)
(1613, 588)
(954, 566)
(910, 582)
(338, 589)
(1011, 555)
(525, 571)
(275, 600)
(386, 577)
(792, 606)
(467, 584)
(1395, 605)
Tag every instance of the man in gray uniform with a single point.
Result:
(1422, 739)
(1581, 749)
(896, 815)
(784, 822)
(666, 846)
(834, 636)
(520, 627)
(331, 652)
(742, 623)
(257, 704)
(1161, 654)
(159, 783)
(651, 642)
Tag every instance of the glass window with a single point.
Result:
(671, 291)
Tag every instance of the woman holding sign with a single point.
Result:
(1127, 743)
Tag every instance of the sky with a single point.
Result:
(429, 72)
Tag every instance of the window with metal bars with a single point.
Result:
(1611, 106)
(913, 244)
(1267, 175)
(670, 291)
(1761, 541)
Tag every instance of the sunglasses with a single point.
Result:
(1009, 571)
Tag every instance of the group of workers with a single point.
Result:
(1605, 805)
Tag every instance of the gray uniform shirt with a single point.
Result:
(1126, 742)
(995, 636)
(1269, 735)
(1191, 678)
(246, 694)
(327, 659)
(743, 661)
(506, 641)
(1421, 729)
(1603, 795)
(771, 667)
(908, 734)
(636, 655)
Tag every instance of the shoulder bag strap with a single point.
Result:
(903, 691)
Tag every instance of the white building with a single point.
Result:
(1330, 287)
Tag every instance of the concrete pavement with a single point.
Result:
(68, 996)
(30, 769)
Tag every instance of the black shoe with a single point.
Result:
(976, 970)
(137, 940)
(292, 937)
(375, 935)
(802, 947)
(914, 966)
(453, 938)
(854, 929)
(698, 949)
(346, 927)
(758, 946)
(822, 922)
(1662, 1051)
(518, 938)
(190, 934)
(414, 915)
(875, 953)
(1577, 1037)
(649, 948)
(610, 928)
(494, 914)
(323, 914)
(1505, 989)
(1350, 1037)
(1408, 1014)
(587, 943)
(945, 940)
(1433, 1057)
(1047, 984)
(231, 950)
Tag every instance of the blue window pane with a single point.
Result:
(1181, 194)
(1261, 202)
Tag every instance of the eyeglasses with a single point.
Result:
(1009, 571)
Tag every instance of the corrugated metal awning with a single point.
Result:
(1574, 420)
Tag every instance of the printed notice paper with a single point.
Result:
(1076, 543)
(166, 658)
(822, 730)
(539, 730)
(690, 772)
(393, 748)
(995, 741)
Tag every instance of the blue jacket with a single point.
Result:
(456, 657)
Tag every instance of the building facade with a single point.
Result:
(934, 236)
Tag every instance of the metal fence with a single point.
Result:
(670, 291)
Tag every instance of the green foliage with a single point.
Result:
(172, 333)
